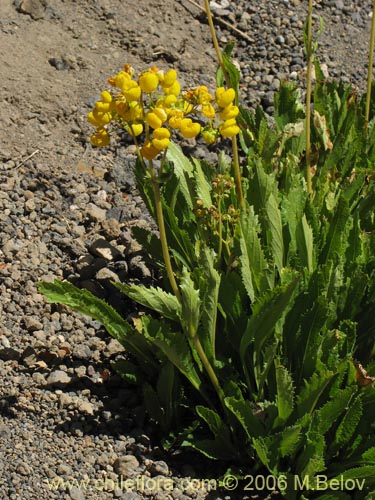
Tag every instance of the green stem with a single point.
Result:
(208, 367)
(237, 172)
(370, 66)
(215, 42)
(163, 234)
(236, 162)
(310, 58)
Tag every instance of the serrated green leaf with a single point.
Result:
(366, 472)
(314, 387)
(368, 457)
(190, 303)
(243, 411)
(290, 440)
(83, 301)
(154, 298)
(333, 409)
(221, 446)
(265, 314)
(255, 272)
(285, 392)
(174, 346)
(182, 166)
(202, 187)
(337, 236)
(209, 286)
(305, 243)
(349, 423)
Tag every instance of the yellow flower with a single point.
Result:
(121, 79)
(100, 139)
(99, 118)
(131, 90)
(160, 138)
(148, 151)
(106, 96)
(169, 100)
(135, 129)
(189, 129)
(208, 110)
(176, 116)
(229, 128)
(169, 78)
(229, 112)
(148, 81)
(156, 118)
(174, 89)
(224, 97)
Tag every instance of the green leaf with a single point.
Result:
(285, 392)
(290, 440)
(333, 409)
(368, 457)
(366, 472)
(165, 391)
(243, 411)
(288, 107)
(219, 447)
(209, 287)
(83, 301)
(305, 243)
(182, 167)
(255, 272)
(349, 423)
(190, 302)
(173, 345)
(154, 298)
(202, 187)
(265, 314)
(314, 387)
(264, 195)
(337, 236)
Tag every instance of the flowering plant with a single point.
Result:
(252, 339)
(152, 105)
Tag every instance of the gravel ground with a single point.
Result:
(66, 211)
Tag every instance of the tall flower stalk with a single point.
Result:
(236, 162)
(310, 59)
(370, 65)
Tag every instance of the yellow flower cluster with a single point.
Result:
(153, 105)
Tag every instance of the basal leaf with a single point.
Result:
(174, 346)
(314, 387)
(182, 166)
(83, 301)
(349, 423)
(368, 457)
(190, 303)
(330, 412)
(154, 298)
(209, 286)
(290, 440)
(265, 314)
(202, 186)
(366, 472)
(305, 243)
(255, 272)
(285, 392)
